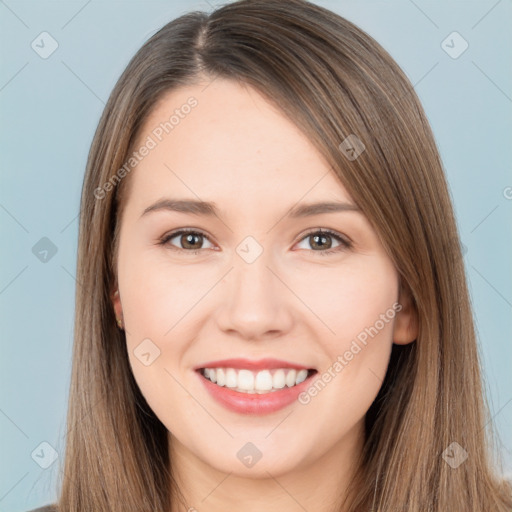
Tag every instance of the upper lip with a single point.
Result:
(251, 364)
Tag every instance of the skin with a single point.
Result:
(293, 302)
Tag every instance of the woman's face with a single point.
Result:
(255, 280)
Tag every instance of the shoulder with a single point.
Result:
(47, 508)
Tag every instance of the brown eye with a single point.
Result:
(322, 242)
(187, 240)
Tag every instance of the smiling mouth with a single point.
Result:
(256, 382)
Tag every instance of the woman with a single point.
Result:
(224, 358)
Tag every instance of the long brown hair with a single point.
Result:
(332, 80)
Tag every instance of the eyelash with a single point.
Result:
(344, 244)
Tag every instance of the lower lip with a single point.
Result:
(253, 403)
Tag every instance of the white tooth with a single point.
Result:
(290, 378)
(278, 380)
(213, 375)
(301, 376)
(206, 373)
(231, 380)
(221, 377)
(263, 381)
(246, 380)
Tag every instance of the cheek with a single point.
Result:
(360, 307)
(158, 301)
(158, 295)
(161, 308)
(357, 306)
(351, 299)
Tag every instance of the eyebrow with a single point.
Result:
(209, 209)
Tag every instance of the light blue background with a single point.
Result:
(50, 109)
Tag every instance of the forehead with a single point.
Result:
(225, 141)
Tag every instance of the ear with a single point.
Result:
(406, 321)
(118, 309)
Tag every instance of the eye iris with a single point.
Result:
(316, 238)
(189, 238)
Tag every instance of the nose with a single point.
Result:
(255, 302)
